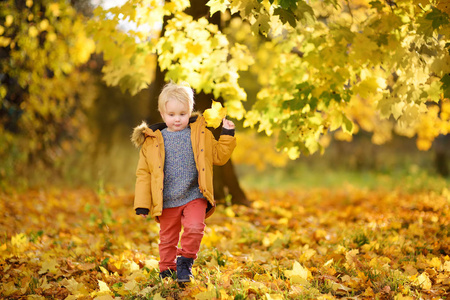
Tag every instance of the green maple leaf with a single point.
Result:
(347, 125)
(342, 33)
(433, 92)
(377, 5)
(287, 4)
(446, 85)
(262, 24)
(327, 97)
(335, 3)
(425, 26)
(244, 7)
(301, 98)
(437, 17)
(305, 12)
(286, 15)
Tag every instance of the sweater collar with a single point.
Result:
(162, 125)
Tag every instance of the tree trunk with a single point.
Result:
(225, 178)
(440, 155)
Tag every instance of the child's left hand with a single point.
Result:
(227, 124)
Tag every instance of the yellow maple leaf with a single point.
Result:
(20, 242)
(103, 287)
(217, 5)
(447, 266)
(131, 285)
(104, 297)
(274, 296)
(298, 274)
(215, 114)
(399, 296)
(158, 297)
(151, 263)
(75, 287)
(210, 293)
(351, 256)
(50, 266)
(423, 281)
(43, 284)
(369, 292)
(435, 262)
(8, 288)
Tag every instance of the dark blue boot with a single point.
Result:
(184, 269)
(167, 273)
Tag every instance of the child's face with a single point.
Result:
(176, 115)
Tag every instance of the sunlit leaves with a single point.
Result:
(378, 59)
(195, 51)
(126, 36)
(217, 5)
(298, 274)
(433, 123)
(263, 151)
(319, 244)
(390, 56)
(43, 44)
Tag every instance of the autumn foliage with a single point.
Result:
(317, 70)
(304, 244)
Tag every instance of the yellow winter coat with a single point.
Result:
(150, 170)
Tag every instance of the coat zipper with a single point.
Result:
(198, 154)
(161, 166)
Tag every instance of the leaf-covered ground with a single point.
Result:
(315, 244)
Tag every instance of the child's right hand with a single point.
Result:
(144, 216)
(227, 124)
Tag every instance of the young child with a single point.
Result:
(174, 180)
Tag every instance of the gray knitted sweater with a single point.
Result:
(180, 171)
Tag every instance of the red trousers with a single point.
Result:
(192, 217)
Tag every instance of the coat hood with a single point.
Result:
(143, 130)
(138, 135)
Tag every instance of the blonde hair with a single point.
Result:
(181, 92)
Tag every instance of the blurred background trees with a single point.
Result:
(45, 87)
(305, 76)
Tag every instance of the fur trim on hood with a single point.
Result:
(138, 136)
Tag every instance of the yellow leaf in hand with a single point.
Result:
(215, 114)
